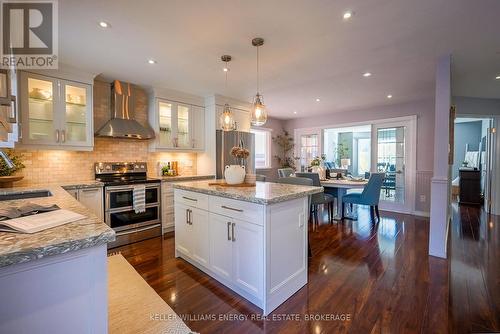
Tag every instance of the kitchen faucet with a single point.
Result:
(6, 158)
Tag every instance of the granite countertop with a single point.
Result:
(262, 193)
(186, 178)
(22, 247)
(83, 185)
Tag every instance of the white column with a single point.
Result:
(441, 182)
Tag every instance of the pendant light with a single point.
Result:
(226, 120)
(259, 113)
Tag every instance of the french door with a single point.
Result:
(393, 153)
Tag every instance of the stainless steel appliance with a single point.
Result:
(226, 140)
(122, 123)
(119, 179)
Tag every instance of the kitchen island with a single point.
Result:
(54, 281)
(251, 239)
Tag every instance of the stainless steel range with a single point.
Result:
(119, 180)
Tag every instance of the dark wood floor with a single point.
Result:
(379, 276)
(474, 271)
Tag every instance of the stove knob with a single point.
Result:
(108, 167)
(142, 167)
(136, 166)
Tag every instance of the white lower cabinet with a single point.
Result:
(91, 198)
(258, 251)
(236, 252)
(221, 246)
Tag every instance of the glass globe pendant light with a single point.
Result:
(259, 112)
(226, 119)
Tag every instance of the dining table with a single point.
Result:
(342, 185)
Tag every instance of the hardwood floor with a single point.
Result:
(366, 278)
(474, 271)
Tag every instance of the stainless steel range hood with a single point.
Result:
(122, 123)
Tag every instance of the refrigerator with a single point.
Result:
(225, 141)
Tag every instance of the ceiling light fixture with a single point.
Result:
(367, 74)
(295, 112)
(317, 100)
(389, 96)
(104, 24)
(226, 119)
(497, 77)
(347, 15)
(151, 61)
(259, 112)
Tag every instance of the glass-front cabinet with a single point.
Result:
(55, 112)
(179, 126)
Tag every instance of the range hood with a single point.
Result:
(122, 123)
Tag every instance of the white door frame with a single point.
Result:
(410, 163)
(412, 143)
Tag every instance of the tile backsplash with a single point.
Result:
(47, 166)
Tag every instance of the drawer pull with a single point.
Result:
(229, 208)
(190, 199)
(232, 232)
(228, 234)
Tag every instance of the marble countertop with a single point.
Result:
(21, 247)
(262, 193)
(186, 178)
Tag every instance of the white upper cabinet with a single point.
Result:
(178, 125)
(55, 113)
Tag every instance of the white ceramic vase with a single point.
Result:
(234, 174)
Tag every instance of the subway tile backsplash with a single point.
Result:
(47, 166)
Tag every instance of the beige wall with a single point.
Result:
(43, 166)
(276, 125)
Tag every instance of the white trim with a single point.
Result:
(269, 158)
(426, 214)
(373, 121)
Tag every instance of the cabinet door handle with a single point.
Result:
(232, 232)
(229, 208)
(57, 136)
(228, 234)
(63, 136)
(187, 216)
(88, 190)
(190, 199)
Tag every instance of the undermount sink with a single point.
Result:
(22, 195)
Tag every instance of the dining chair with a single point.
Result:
(322, 198)
(370, 195)
(260, 178)
(302, 181)
(285, 172)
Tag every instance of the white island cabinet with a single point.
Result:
(253, 240)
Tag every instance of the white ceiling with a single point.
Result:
(309, 53)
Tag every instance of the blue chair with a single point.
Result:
(370, 195)
(326, 200)
(285, 172)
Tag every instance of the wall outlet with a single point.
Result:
(423, 198)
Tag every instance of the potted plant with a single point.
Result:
(7, 176)
(317, 166)
(235, 174)
(285, 157)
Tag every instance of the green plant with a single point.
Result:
(317, 160)
(285, 157)
(16, 159)
(342, 152)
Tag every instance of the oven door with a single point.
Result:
(121, 197)
(119, 212)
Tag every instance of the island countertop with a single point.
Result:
(262, 193)
(85, 233)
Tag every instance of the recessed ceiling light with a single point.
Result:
(497, 77)
(151, 61)
(367, 74)
(225, 69)
(104, 24)
(317, 100)
(295, 112)
(347, 14)
(389, 96)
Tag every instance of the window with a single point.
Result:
(309, 149)
(262, 148)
